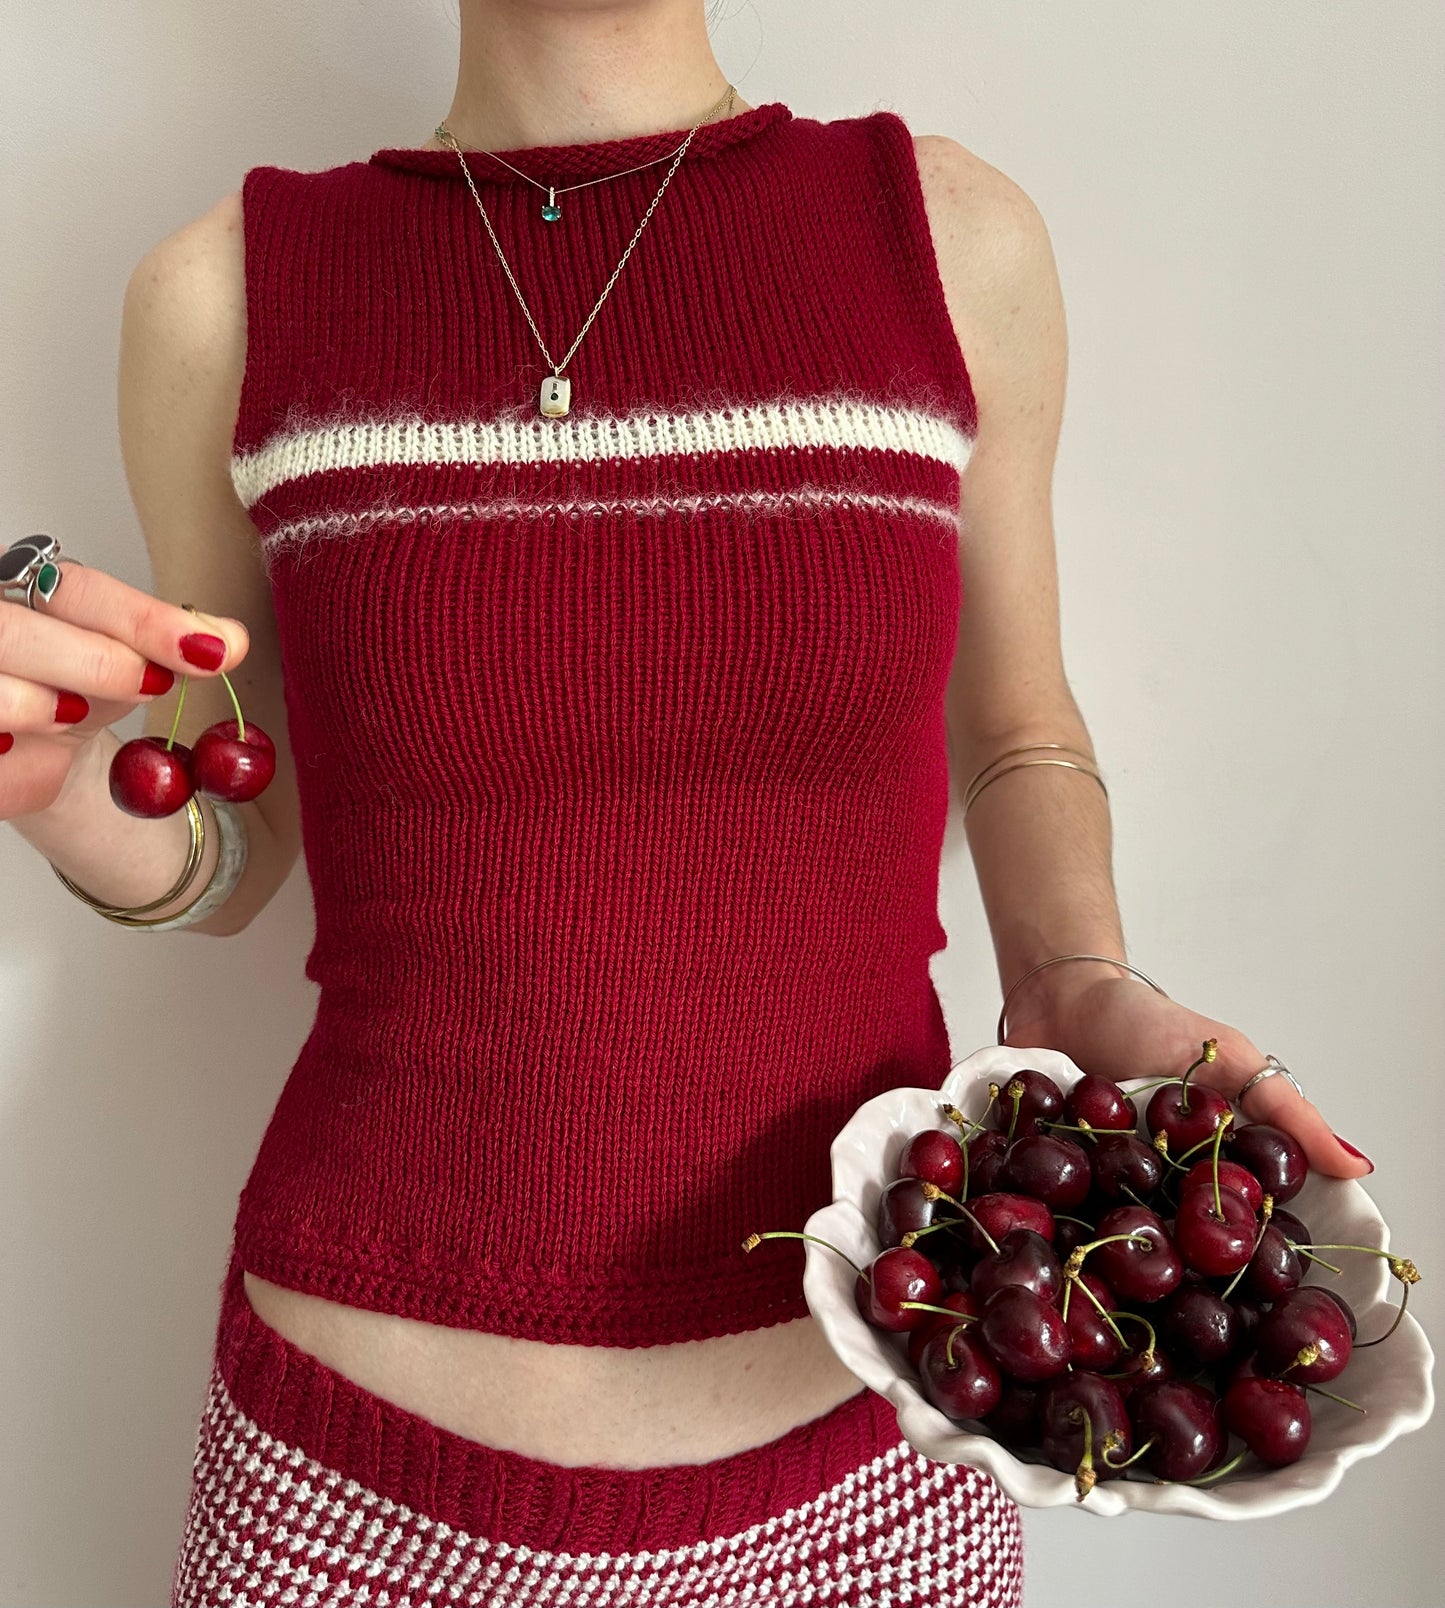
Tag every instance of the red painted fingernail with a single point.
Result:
(70, 707)
(1345, 1143)
(202, 649)
(158, 678)
(7, 741)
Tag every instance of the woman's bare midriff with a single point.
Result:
(620, 1407)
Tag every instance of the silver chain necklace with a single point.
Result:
(555, 398)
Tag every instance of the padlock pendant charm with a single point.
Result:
(556, 396)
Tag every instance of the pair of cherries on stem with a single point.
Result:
(153, 776)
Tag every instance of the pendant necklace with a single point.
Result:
(555, 398)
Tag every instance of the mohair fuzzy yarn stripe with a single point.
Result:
(619, 737)
(309, 1490)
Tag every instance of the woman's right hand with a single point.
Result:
(101, 639)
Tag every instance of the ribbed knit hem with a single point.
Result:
(518, 1500)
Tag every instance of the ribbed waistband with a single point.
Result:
(508, 1497)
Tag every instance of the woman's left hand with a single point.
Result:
(1120, 1027)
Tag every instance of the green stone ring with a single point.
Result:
(31, 565)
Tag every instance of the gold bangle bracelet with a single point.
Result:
(1008, 753)
(130, 915)
(1023, 764)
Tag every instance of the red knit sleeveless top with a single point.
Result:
(619, 735)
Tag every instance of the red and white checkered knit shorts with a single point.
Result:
(312, 1492)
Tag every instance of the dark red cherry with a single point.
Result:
(1343, 1305)
(957, 1375)
(150, 780)
(1188, 1113)
(1231, 1176)
(935, 1156)
(986, 1154)
(1273, 1156)
(1023, 1257)
(1101, 1103)
(1271, 1417)
(1035, 1097)
(895, 1276)
(1062, 1410)
(1186, 1425)
(1199, 1325)
(1215, 1242)
(1308, 1322)
(226, 765)
(1094, 1343)
(1124, 1163)
(1290, 1226)
(960, 1301)
(1025, 1334)
(1274, 1269)
(1068, 1233)
(1015, 1421)
(903, 1208)
(1140, 1367)
(1248, 1315)
(1001, 1212)
(1053, 1170)
(1137, 1272)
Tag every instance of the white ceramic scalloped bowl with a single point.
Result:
(1391, 1381)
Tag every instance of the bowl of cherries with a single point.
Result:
(1113, 1295)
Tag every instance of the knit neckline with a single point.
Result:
(550, 164)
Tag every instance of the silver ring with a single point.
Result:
(1268, 1072)
(31, 564)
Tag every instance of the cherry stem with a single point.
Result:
(1400, 1313)
(947, 1312)
(1218, 1140)
(1210, 1048)
(1099, 1306)
(1401, 1266)
(1079, 1252)
(1310, 1257)
(1084, 1476)
(1149, 1088)
(1266, 1208)
(1015, 1092)
(752, 1242)
(957, 1117)
(1063, 1217)
(1216, 1474)
(1344, 1401)
(1085, 1128)
(1148, 1350)
(1135, 1455)
(928, 1228)
(176, 721)
(236, 705)
(933, 1192)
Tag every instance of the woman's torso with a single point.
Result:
(626, 1406)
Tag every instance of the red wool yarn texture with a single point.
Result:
(619, 736)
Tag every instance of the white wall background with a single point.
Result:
(1246, 206)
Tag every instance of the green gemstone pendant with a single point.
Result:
(46, 580)
(551, 207)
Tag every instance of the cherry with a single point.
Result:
(1095, 1340)
(1290, 1226)
(987, 1152)
(1024, 1258)
(233, 760)
(1231, 1176)
(1123, 1163)
(960, 1301)
(151, 776)
(1137, 1272)
(1101, 1103)
(1273, 1156)
(904, 1208)
(1142, 1366)
(1343, 1305)
(1086, 1429)
(1026, 1099)
(1215, 1239)
(892, 1277)
(1304, 1337)
(1053, 1170)
(958, 1376)
(1186, 1114)
(1199, 1325)
(1025, 1334)
(1184, 1422)
(936, 1156)
(1274, 1269)
(1015, 1421)
(1271, 1417)
(1248, 1315)
(1069, 1232)
(997, 1214)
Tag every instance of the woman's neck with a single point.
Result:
(532, 75)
